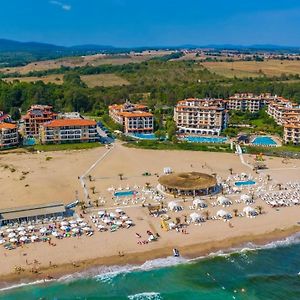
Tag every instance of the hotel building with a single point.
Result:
(291, 133)
(249, 102)
(68, 131)
(35, 117)
(134, 118)
(9, 136)
(201, 116)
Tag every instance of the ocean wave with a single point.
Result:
(107, 273)
(145, 296)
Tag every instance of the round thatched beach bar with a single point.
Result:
(188, 183)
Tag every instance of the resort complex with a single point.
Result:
(201, 116)
(35, 117)
(68, 131)
(9, 136)
(133, 118)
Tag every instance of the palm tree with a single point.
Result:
(260, 209)
(230, 171)
(207, 213)
(121, 176)
(93, 189)
(235, 211)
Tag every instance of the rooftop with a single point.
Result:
(69, 122)
(188, 181)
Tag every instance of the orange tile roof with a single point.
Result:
(7, 126)
(69, 122)
(136, 114)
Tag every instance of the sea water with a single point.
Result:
(268, 272)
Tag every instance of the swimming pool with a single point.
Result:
(246, 182)
(124, 193)
(264, 141)
(205, 139)
(145, 136)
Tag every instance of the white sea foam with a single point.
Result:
(145, 296)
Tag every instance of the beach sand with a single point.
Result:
(57, 180)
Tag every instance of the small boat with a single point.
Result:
(176, 252)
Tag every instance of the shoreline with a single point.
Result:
(189, 252)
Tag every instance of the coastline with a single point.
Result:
(193, 251)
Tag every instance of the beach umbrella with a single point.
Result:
(43, 230)
(101, 213)
(79, 220)
(101, 226)
(20, 228)
(119, 223)
(119, 210)
(129, 222)
(199, 203)
(223, 201)
(196, 217)
(106, 220)
(23, 239)
(112, 215)
(34, 238)
(124, 217)
(223, 214)
(30, 227)
(73, 222)
(83, 224)
(174, 206)
(74, 225)
(246, 199)
(75, 230)
(9, 230)
(13, 240)
(55, 233)
(1, 232)
(249, 211)
(22, 233)
(86, 229)
(64, 223)
(11, 235)
(2, 242)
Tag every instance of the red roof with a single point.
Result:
(7, 126)
(69, 122)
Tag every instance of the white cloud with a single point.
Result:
(63, 6)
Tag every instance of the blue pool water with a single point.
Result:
(205, 139)
(264, 141)
(144, 136)
(247, 182)
(124, 193)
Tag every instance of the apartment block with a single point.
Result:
(201, 116)
(35, 117)
(249, 102)
(68, 131)
(134, 118)
(291, 133)
(9, 136)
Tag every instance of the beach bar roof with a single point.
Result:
(186, 181)
(31, 212)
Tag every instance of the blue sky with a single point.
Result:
(152, 22)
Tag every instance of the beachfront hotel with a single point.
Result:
(291, 133)
(35, 117)
(9, 136)
(249, 102)
(68, 131)
(134, 118)
(201, 116)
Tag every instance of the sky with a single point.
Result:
(130, 23)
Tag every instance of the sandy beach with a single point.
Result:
(56, 179)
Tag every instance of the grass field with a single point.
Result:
(91, 80)
(54, 78)
(92, 60)
(253, 68)
(103, 80)
(62, 147)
